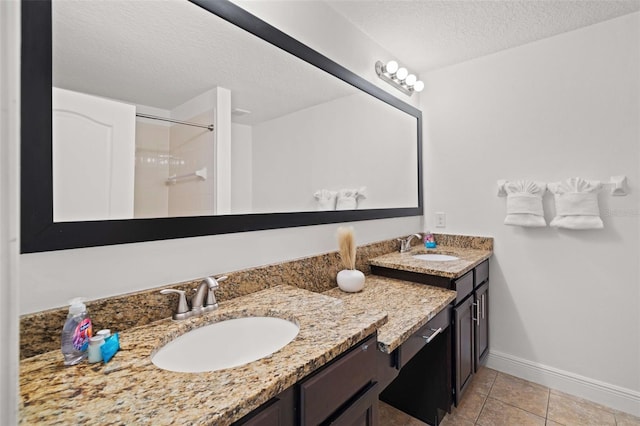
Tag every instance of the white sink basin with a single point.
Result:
(435, 257)
(225, 344)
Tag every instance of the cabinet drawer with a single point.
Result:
(482, 273)
(278, 411)
(323, 393)
(362, 411)
(269, 415)
(463, 286)
(423, 336)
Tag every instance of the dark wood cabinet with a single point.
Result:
(482, 325)
(278, 411)
(463, 345)
(330, 392)
(470, 331)
(269, 415)
(463, 286)
(422, 383)
(471, 339)
(363, 411)
(423, 336)
(342, 393)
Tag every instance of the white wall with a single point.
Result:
(344, 150)
(565, 305)
(193, 148)
(241, 168)
(151, 193)
(54, 277)
(317, 25)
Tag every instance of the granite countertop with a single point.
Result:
(131, 390)
(469, 258)
(409, 306)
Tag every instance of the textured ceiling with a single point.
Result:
(163, 53)
(430, 34)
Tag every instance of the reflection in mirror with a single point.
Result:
(193, 63)
(287, 136)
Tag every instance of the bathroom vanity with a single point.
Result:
(414, 358)
(328, 372)
(359, 375)
(468, 275)
(130, 389)
(344, 392)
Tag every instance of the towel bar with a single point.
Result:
(617, 186)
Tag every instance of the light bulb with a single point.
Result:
(418, 86)
(391, 67)
(410, 80)
(402, 73)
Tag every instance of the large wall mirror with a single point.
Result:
(145, 121)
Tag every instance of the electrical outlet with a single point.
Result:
(441, 220)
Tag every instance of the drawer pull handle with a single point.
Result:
(365, 347)
(435, 333)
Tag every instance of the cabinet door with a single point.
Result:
(268, 416)
(464, 346)
(363, 411)
(326, 391)
(482, 325)
(279, 411)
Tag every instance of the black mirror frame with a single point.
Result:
(40, 233)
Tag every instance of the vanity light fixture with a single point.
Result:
(399, 77)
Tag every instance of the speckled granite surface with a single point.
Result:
(464, 241)
(40, 332)
(408, 305)
(131, 390)
(470, 250)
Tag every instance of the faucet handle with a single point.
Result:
(212, 282)
(211, 296)
(219, 280)
(182, 310)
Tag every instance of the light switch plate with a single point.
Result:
(441, 220)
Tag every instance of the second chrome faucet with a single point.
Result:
(204, 300)
(405, 243)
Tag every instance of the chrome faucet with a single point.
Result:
(199, 304)
(405, 243)
(206, 287)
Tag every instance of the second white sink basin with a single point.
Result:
(225, 344)
(435, 257)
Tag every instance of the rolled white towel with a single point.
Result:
(576, 204)
(326, 199)
(524, 203)
(348, 198)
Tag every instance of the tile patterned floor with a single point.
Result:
(498, 399)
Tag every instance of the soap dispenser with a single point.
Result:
(429, 240)
(76, 333)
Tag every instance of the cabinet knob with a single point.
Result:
(365, 347)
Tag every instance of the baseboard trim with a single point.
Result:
(613, 396)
